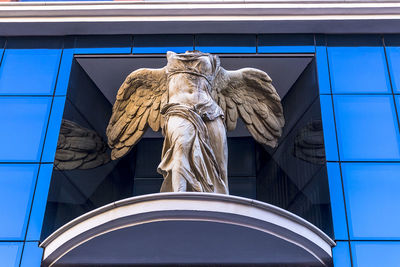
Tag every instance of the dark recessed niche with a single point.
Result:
(292, 176)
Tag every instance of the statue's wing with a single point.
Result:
(249, 93)
(137, 106)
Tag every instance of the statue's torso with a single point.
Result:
(189, 78)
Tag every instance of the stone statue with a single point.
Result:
(79, 148)
(194, 101)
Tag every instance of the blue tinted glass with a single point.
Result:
(103, 44)
(50, 145)
(17, 183)
(65, 71)
(10, 253)
(353, 61)
(32, 255)
(322, 65)
(152, 44)
(286, 43)
(367, 128)
(337, 201)
(23, 121)
(372, 197)
(373, 254)
(328, 124)
(39, 202)
(393, 57)
(226, 43)
(341, 254)
(37, 67)
(397, 100)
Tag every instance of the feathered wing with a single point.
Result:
(79, 148)
(249, 93)
(137, 106)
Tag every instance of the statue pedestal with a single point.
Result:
(188, 228)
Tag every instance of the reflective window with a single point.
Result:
(353, 61)
(156, 44)
(10, 253)
(372, 254)
(328, 123)
(341, 254)
(371, 191)
(53, 129)
(32, 255)
(321, 56)
(225, 43)
(17, 183)
(337, 201)
(393, 56)
(38, 66)
(367, 128)
(39, 202)
(24, 122)
(286, 43)
(115, 44)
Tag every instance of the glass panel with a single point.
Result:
(53, 129)
(328, 122)
(324, 82)
(367, 128)
(32, 255)
(341, 254)
(337, 201)
(17, 183)
(10, 253)
(156, 44)
(353, 61)
(38, 66)
(226, 43)
(65, 66)
(372, 254)
(392, 43)
(39, 202)
(371, 191)
(23, 121)
(115, 44)
(286, 43)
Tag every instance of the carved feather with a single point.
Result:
(250, 94)
(137, 106)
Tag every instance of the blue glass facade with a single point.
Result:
(359, 98)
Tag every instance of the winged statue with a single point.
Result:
(194, 101)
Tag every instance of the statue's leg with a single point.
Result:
(181, 133)
(218, 142)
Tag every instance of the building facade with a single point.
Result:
(335, 65)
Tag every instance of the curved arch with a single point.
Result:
(233, 216)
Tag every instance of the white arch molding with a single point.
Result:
(188, 228)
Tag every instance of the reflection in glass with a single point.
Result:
(79, 148)
(309, 143)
